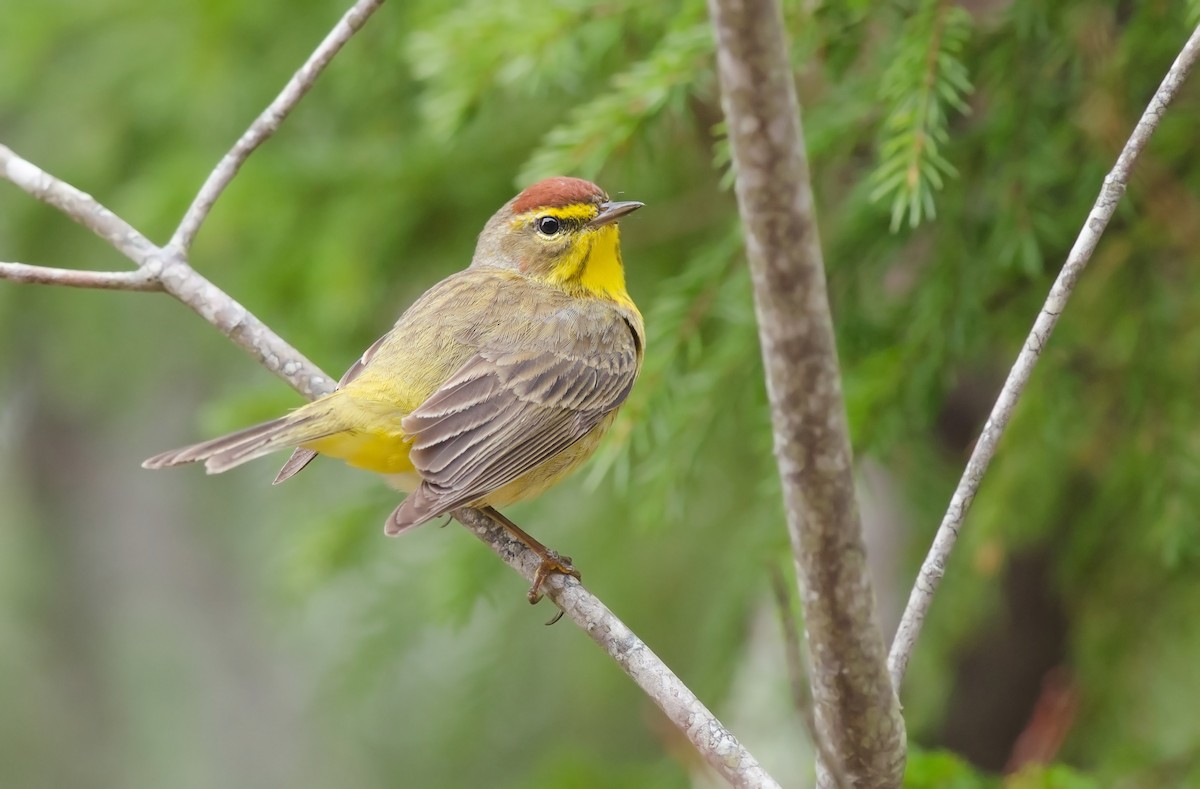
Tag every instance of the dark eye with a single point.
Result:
(548, 225)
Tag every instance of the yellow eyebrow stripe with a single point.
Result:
(576, 211)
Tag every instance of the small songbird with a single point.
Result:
(494, 385)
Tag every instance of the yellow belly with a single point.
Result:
(386, 453)
(383, 453)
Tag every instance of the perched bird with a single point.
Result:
(494, 385)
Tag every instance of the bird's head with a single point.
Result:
(562, 231)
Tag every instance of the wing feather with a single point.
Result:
(509, 409)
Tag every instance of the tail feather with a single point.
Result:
(288, 434)
(226, 452)
(295, 464)
(420, 506)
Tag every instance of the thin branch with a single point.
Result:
(927, 97)
(856, 707)
(159, 269)
(715, 743)
(80, 206)
(244, 328)
(74, 278)
(268, 122)
(1089, 236)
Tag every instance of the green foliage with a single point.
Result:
(1056, 776)
(455, 54)
(179, 603)
(926, 79)
(674, 71)
(942, 770)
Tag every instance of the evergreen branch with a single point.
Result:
(923, 79)
(76, 278)
(586, 140)
(1085, 244)
(484, 46)
(168, 268)
(857, 711)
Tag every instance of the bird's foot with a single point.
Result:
(552, 563)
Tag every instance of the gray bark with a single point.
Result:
(856, 710)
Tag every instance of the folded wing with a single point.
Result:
(510, 409)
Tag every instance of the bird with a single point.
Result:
(494, 385)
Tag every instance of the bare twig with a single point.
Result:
(268, 122)
(159, 269)
(714, 742)
(856, 708)
(75, 278)
(80, 206)
(168, 269)
(1089, 236)
(245, 329)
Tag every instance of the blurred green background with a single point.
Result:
(171, 629)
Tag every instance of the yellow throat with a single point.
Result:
(594, 268)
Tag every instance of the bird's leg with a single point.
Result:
(551, 561)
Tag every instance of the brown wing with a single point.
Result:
(301, 457)
(508, 410)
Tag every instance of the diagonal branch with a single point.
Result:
(268, 122)
(159, 269)
(76, 278)
(719, 747)
(78, 205)
(856, 708)
(245, 329)
(1093, 227)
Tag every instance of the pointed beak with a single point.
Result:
(611, 212)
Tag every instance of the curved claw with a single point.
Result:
(552, 562)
